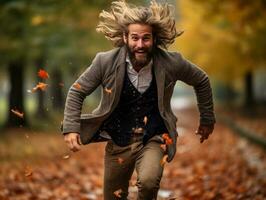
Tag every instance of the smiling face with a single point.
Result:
(139, 41)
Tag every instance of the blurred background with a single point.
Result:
(225, 38)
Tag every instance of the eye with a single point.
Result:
(146, 39)
(134, 38)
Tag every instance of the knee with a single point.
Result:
(150, 183)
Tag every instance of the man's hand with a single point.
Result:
(204, 131)
(73, 141)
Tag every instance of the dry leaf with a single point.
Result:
(120, 160)
(138, 130)
(145, 120)
(108, 90)
(28, 171)
(167, 139)
(16, 112)
(117, 193)
(164, 160)
(77, 86)
(163, 146)
(43, 74)
(66, 157)
(40, 86)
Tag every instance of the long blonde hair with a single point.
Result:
(113, 24)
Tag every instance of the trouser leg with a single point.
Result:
(149, 169)
(118, 169)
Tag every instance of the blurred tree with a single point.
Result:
(13, 26)
(228, 38)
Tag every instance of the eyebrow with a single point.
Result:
(145, 35)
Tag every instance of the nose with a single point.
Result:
(140, 43)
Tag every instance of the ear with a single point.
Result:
(125, 37)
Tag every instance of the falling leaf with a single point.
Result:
(43, 74)
(164, 160)
(27, 136)
(167, 139)
(77, 86)
(145, 120)
(133, 182)
(16, 112)
(120, 160)
(117, 193)
(137, 130)
(66, 157)
(108, 90)
(163, 146)
(28, 171)
(39, 86)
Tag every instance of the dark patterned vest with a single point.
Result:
(129, 114)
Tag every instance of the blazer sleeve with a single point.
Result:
(196, 77)
(89, 80)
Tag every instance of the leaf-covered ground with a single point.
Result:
(36, 165)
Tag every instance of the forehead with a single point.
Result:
(140, 29)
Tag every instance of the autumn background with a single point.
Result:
(225, 38)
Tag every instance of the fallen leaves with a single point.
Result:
(117, 193)
(28, 171)
(120, 160)
(108, 90)
(43, 74)
(77, 86)
(163, 146)
(65, 157)
(163, 160)
(145, 120)
(40, 86)
(167, 139)
(17, 113)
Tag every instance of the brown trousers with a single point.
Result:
(120, 163)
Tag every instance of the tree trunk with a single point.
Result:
(57, 91)
(16, 96)
(41, 111)
(249, 95)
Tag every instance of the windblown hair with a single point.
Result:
(160, 17)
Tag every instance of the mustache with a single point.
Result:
(142, 50)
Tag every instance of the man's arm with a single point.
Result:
(194, 76)
(82, 87)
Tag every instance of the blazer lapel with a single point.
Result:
(159, 72)
(119, 76)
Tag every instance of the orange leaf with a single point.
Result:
(120, 160)
(117, 193)
(108, 90)
(145, 120)
(164, 160)
(43, 74)
(39, 86)
(66, 157)
(167, 139)
(77, 86)
(16, 112)
(163, 146)
(28, 171)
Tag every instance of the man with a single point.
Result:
(134, 115)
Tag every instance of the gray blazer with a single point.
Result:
(108, 69)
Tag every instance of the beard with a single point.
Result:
(139, 60)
